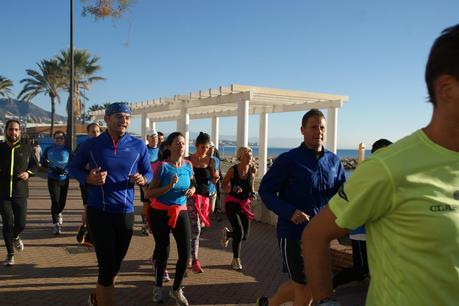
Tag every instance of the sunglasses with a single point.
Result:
(59, 138)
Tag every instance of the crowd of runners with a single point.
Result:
(406, 195)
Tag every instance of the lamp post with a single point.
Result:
(71, 141)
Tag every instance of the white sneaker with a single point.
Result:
(236, 264)
(92, 300)
(224, 240)
(18, 244)
(157, 294)
(178, 296)
(9, 261)
(60, 219)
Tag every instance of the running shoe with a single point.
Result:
(81, 233)
(197, 266)
(224, 240)
(57, 229)
(236, 264)
(262, 301)
(145, 230)
(179, 297)
(158, 294)
(60, 219)
(166, 277)
(9, 261)
(92, 301)
(87, 240)
(18, 244)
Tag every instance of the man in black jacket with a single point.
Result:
(16, 165)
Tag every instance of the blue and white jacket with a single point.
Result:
(57, 159)
(122, 159)
(298, 179)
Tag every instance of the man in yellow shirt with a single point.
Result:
(408, 198)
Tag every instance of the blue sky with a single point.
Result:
(372, 51)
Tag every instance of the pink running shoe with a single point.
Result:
(197, 266)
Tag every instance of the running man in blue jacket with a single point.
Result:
(117, 161)
(297, 186)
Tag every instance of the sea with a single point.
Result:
(226, 151)
(274, 152)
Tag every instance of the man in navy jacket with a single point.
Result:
(296, 188)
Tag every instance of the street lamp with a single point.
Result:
(71, 135)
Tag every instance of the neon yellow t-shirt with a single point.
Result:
(408, 198)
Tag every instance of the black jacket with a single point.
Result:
(14, 160)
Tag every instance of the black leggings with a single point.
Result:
(111, 234)
(58, 192)
(240, 224)
(182, 235)
(13, 213)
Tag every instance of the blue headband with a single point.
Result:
(117, 107)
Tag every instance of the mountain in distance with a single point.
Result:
(27, 111)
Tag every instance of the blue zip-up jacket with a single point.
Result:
(120, 160)
(300, 180)
(57, 159)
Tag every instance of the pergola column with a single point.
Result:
(332, 129)
(215, 130)
(263, 145)
(183, 126)
(243, 123)
(152, 124)
(144, 125)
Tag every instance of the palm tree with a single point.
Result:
(5, 87)
(85, 66)
(48, 80)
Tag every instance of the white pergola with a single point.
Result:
(240, 101)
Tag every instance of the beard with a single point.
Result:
(12, 138)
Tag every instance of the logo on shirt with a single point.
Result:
(443, 207)
(342, 194)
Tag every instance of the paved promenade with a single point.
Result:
(55, 270)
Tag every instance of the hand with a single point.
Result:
(23, 176)
(138, 179)
(299, 217)
(253, 196)
(96, 177)
(190, 191)
(237, 189)
(173, 181)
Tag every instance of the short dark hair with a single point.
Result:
(58, 132)
(380, 143)
(203, 138)
(10, 121)
(443, 59)
(312, 113)
(92, 124)
(160, 134)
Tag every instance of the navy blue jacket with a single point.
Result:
(120, 160)
(300, 180)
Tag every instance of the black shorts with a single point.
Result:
(293, 259)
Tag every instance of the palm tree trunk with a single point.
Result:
(53, 115)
